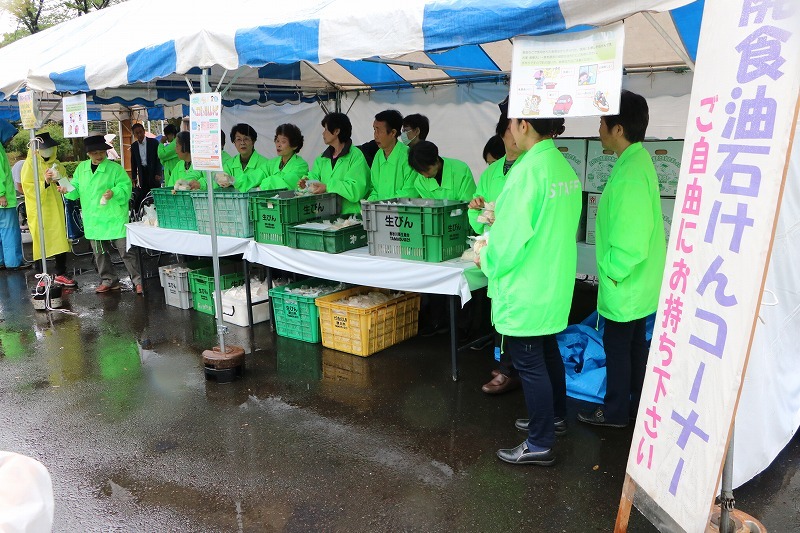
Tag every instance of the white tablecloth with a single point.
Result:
(182, 241)
(453, 277)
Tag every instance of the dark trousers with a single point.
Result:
(505, 366)
(61, 264)
(626, 363)
(541, 370)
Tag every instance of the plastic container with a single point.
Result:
(296, 316)
(330, 241)
(201, 283)
(176, 286)
(174, 209)
(274, 214)
(231, 212)
(416, 229)
(191, 265)
(234, 310)
(364, 331)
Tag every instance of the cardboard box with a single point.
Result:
(667, 212)
(574, 151)
(666, 156)
(592, 199)
(599, 163)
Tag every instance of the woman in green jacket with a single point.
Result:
(341, 168)
(530, 261)
(247, 167)
(284, 171)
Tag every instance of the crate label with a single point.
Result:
(311, 209)
(400, 236)
(454, 227)
(266, 217)
(202, 291)
(292, 311)
(397, 221)
(340, 321)
(172, 285)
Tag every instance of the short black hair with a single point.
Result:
(494, 147)
(244, 129)
(547, 127)
(137, 125)
(634, 116)
(169, 129)
(340, 121)
(183, 140)
(502, 124)
(422, 156)
(291, 132)
(393, 119)
(417, 121)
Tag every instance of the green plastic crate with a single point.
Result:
(273, 216)
(201, 283)
(330, 241)
(231, 212)
(174, 209)
(416, 229)
(296, 316)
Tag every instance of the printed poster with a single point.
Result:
(205, 111)
(573, 74)
(28, 110)
(76, 122)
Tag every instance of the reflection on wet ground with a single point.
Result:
(113, 400)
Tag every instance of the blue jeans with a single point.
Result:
(10, 238)
(626, 350)
(541, 370)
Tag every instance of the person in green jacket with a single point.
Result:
(341, 168)
(284, 171)
(415, 129)
(10, 237)
(248, 167)
(440, 178)
(631, 252)
(183, 169)
(494, 149)
(530, 261)
(390, 175)
(104, 189)
(166, 151)
(225, 156)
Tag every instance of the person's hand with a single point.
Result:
(164, 139)
(194, 185)
(317, 188)
(3, 201)
(478, 260)
(61, 189)
(49, 175)
(477, 203)
(302, 183)
(108, 195)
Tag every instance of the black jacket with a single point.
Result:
(146, 177)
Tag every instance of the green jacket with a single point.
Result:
(531, 257)
(251, 176)
(392, 177)
(7, 180)
(490, 185)
(457, 183)
(349, 177)
(286, 177)
(630, 242)
(102, 222)
(180, 172)
(168, 158)
(225, 157)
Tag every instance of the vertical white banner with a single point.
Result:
(28, 110)
(572, 74)
(205, 111)
(741, 122)
(76, 121)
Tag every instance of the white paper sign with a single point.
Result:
(64, 182)
(76, 121)
(205, 110)
(743, 104)
(573, 74)
(28, 110)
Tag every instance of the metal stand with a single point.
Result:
(726, 501)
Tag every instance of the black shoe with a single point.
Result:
(597, 418)
(433, 329)
(561, 425)
(522, 456)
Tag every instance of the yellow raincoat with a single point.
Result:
(55, 227)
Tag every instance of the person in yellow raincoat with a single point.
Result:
(55, 229)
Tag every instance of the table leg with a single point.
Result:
(271, 308)
(247, 296)
(453, 338)
(141, 268)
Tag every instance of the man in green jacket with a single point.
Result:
(440, 178)
(631, 251)
(166, 152)
(390, 175)
(530, 261)
(104, 189)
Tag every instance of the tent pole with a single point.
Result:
(686, 59)
(726, 501)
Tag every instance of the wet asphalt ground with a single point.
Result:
(114, 401)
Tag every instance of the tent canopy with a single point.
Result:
(315, 48)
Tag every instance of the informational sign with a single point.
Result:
(76, 122)
(572, 74)
(205, 110)
(741, 121)
(28, 110)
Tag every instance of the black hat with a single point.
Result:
(503, 106)
(47, 141)
(95, 142)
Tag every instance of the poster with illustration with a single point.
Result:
(574, 74)
(205, 111)
(76, 123)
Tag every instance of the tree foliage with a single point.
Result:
(33, 16)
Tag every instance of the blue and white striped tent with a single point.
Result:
(315, 48)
